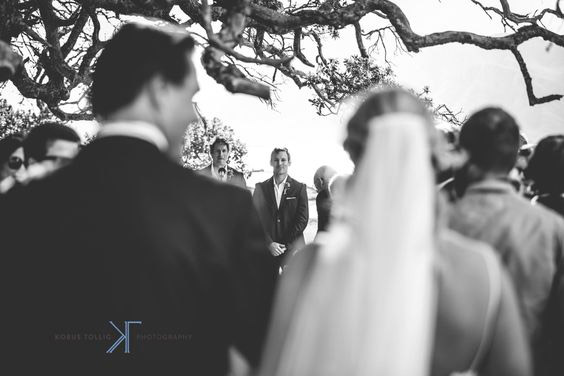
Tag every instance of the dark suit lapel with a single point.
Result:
(207, 171)
(269, 194)
(288, 188)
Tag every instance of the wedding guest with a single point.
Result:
(546, 170)
(529, 239)
(282, 205)
(170, 270)
(48, 147)
(52, 141)
(12, 162)
(389, 290)
(218, 169)
(321, 180)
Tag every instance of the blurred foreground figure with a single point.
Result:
(12, 163)
(546, 170)
(53, 142)
(388, 291)
(529, 239)
(48, 147)
(124, 259)
(9, 61)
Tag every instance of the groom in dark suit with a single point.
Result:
(282, 206)
(124, 256)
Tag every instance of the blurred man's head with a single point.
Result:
(146, 74)
(12, 159)
(219, 151)
(491, 139)
(323, 177)
(52, 142)
(547, 165)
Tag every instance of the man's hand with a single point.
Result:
(276, 248)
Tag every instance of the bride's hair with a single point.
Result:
(374, 103)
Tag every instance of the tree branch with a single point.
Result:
(298, 48)
(359, 42)
(228, 74)
(75, 33)
(271, 29)
(70, 116)
(533, 100)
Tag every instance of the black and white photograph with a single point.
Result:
(282, 187)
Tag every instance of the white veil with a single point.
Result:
(369, 306)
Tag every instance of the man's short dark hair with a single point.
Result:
(133, 57)
(220, 141)
(8, 145)
(280, 150)
(35, 144)
(491, 138)
(547, 165)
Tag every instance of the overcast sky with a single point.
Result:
(463, 77)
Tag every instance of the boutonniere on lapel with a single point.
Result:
(286, 187)
(229, 173)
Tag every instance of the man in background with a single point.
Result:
(323, 201)
(282, 206)
(218, 169)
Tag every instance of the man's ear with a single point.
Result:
(156, 91)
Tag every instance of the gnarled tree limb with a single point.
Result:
(60, 39)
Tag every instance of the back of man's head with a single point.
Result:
(491, 139)
(37, 142)
(323, 176)
(134, 56)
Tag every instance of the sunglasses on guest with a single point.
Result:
(15, 163)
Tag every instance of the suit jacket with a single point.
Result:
(323, 201)
(124, 234)
(530, 242)
(233, 176)
(286, 224)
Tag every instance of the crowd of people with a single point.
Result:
(432, 258)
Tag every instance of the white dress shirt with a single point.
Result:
(215, 175)
(137, 129)
(279, 190)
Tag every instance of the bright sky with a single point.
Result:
(463, 77)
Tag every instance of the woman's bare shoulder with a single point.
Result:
(463, 292)
(456, 250)
(462, 268)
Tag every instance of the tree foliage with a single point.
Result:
(55, 43)
(19, 121)
(200, 135)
